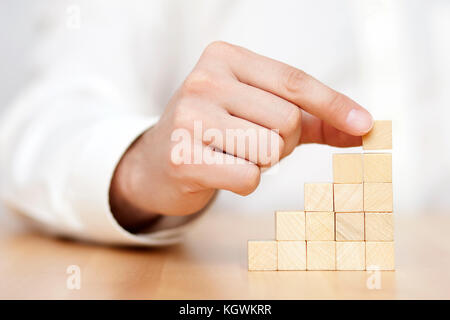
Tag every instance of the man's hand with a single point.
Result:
(229, 88)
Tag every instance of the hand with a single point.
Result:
(229, 88)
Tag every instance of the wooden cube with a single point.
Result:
(290, 225)
(291, 255)
(319, 225)
(348, 197)
(378, 167)
(378, 197)
(380, 256)
(379, 226)
(350, 226)
(262, 255)
(347, 168)
(320, 255)
(380, 137)
(319, 197)
(351, 255)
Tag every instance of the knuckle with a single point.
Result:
(188, 187)
(199, 81)
(294, 80)
(182, 117)
(293, 121)
(337, 104)
(216, 48)
(250, 180)
(271, 154)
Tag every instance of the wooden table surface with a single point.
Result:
(212, 264)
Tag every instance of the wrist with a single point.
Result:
(122, 205)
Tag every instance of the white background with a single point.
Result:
(402, 72)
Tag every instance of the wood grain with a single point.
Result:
(290, 225)
(211, 263)
(320, 226)
(262, 255)
(348, 198)
(321, 255)
(379, 226)
(347, 168)
(378, 197)
(380, 256)
(380, 137)
(378, 167)
(350, 226)
(318, 197)
(351, 255)
(291, 255)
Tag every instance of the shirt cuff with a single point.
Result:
(91, 179)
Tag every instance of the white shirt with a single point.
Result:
(102, 72)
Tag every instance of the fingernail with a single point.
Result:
(360, 120)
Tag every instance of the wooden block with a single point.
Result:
(262, 255)
(347, 168)
(320, 226)
(378, 167)
(348, 197)
(350, 226)
(351, 255)
(319, 197)
(379, 226)
(291, 255)
(290, 225)
(380, 137)
(380, 256)
(320, 255)
(378, 197)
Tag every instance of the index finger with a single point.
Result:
(299, 88)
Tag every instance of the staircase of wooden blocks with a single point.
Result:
(346, 225)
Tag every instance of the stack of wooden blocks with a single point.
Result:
(346, 225)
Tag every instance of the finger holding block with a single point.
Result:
(262, 255)
(347, 168)
(348, 198)
(291, 255)
(320, 255)
(319, 197)
(319, 225)
(350, 255)
(378, 197)
(290, 225)
(350, 226)
(380, 256)
(379, 226)
(377, 167)
(380, 137)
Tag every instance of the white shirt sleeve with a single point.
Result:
(63, 136)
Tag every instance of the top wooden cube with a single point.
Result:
(380, 137)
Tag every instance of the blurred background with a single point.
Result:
(393, 57)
